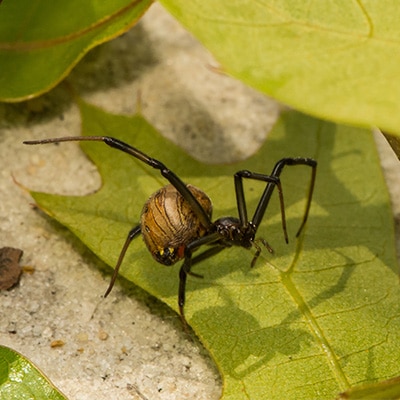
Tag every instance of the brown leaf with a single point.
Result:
(394, 142)
(10, 270)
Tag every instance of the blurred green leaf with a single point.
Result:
(320, 315)
(41, 41)
(20, 379)
(336, 60)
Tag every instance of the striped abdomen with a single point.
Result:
(168, 223)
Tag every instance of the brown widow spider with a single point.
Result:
(176, 220)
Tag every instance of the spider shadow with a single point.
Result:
(248, 346)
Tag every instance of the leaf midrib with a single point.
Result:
(315, 329)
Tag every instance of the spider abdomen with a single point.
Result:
(168, 223)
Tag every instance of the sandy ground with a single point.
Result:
(130, 346)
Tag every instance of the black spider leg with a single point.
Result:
(179, 185)
(131, 235)
(273, 181)
(188, 262)
(266, 196)
(258, 250)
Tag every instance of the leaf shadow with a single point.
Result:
(104, 67)
(112, 65)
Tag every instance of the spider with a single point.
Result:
(176, 219)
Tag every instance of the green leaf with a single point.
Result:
(320, 315)
(20, 379)
(336, 60)
(41, 41)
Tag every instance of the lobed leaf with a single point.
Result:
(319, 316)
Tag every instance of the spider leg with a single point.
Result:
(152, 162)
(258, 250)
(263, 203)
(241, 202)
(131, 235)
(187, 265)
